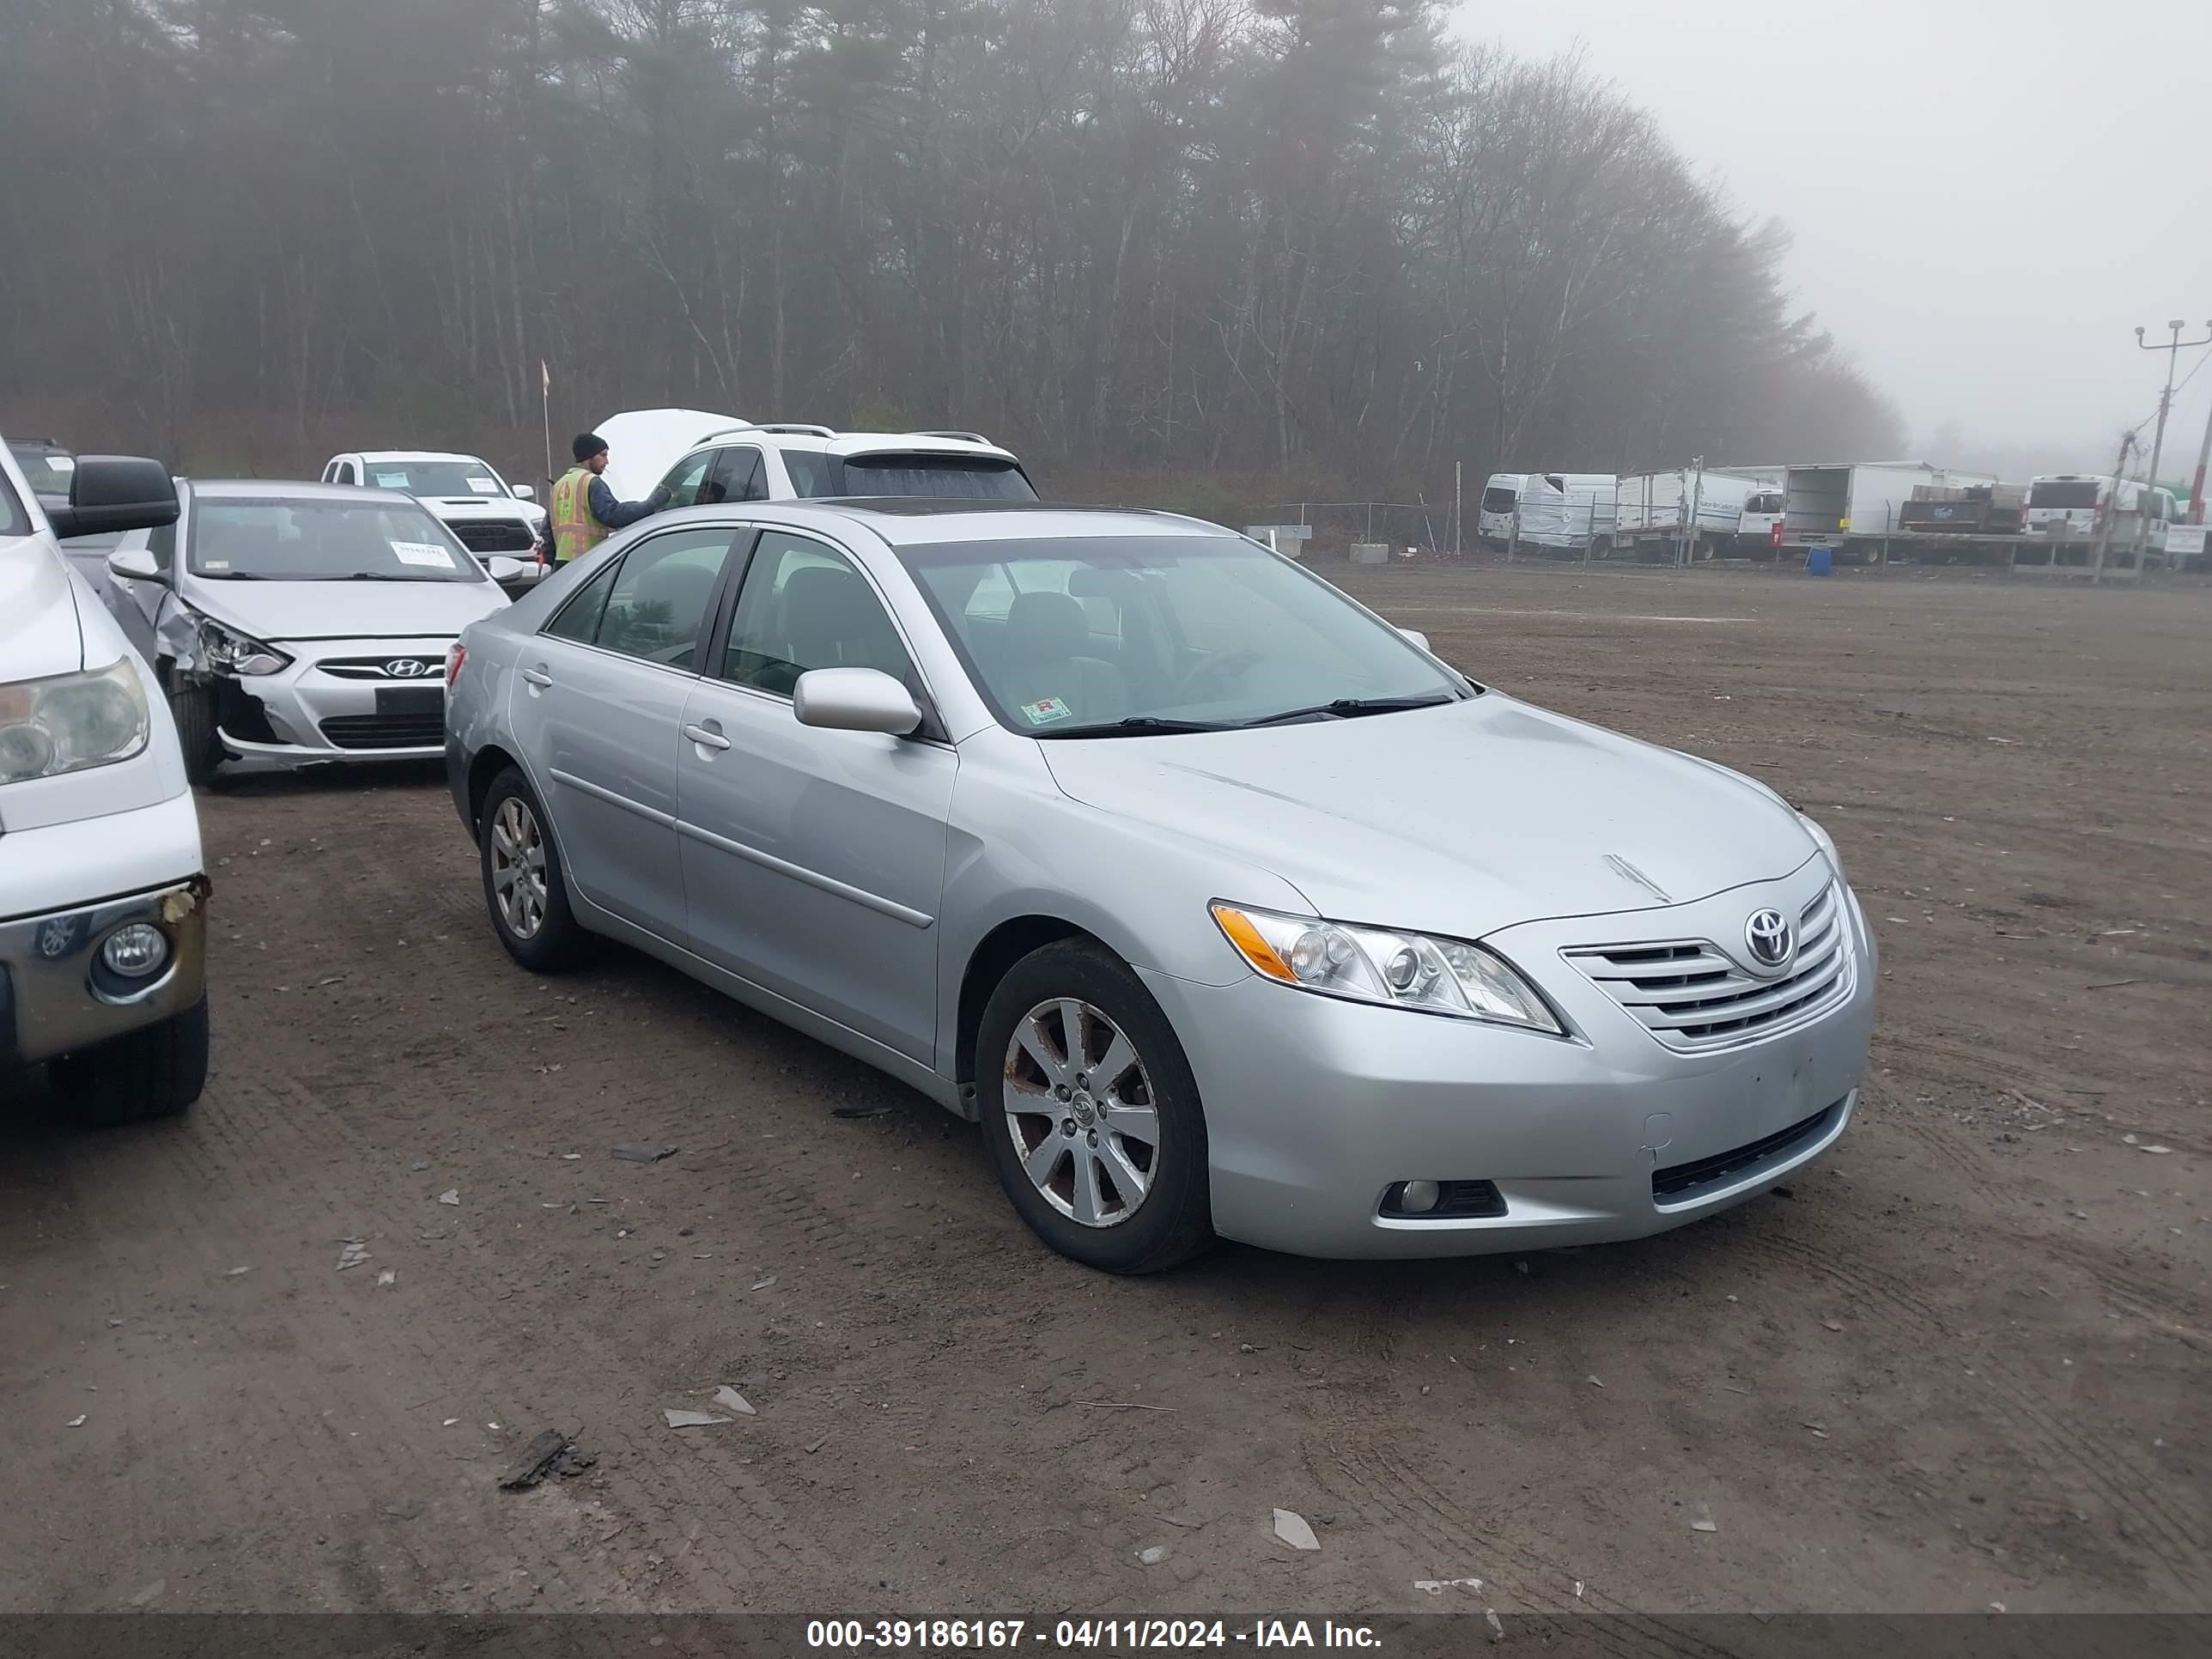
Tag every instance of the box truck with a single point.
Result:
(1696, 513)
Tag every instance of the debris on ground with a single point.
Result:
(537, 1462)
(1833, 1324)
(151, 1594)
(686, 1420)
(351, 1254)
(1702, 1520)
(1593, 1381)
(77, 1422)
(238, 1273)
(387, 1278)
(1497, 1626)
(862, 1111)
(765, 1284)
(1290, 1527)
(2155, 1152)
(643, 1152)
(816, 1445)
(1438, 1586)
(451, 1195)
(1152, 1556)
(730, 1401)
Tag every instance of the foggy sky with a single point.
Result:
(1987, 198)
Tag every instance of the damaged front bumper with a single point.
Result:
(346, 700)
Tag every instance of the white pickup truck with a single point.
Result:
(103, 896)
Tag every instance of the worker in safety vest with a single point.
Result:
(584, 508)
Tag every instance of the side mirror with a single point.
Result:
(1419, 638)
(111, 494)
(134, 564)
(526, 492)
(502, 569)
(854, 700)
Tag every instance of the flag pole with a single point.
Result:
(545, 398)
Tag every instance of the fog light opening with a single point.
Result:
(1419, 1197)
(136, 951)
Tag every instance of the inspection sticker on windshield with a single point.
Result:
(1046, 710)
(484, 486)
(424, 553)
(391, 481)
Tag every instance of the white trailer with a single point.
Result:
(1695, 513)
(1853, 507)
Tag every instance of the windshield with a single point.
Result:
(1123, 633)
(308, 541)
(2064, 493)
(963, 477)
(466, 478)
(46, 471)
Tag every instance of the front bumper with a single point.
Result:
(339, 700)
(56, 996)
(1316, 1108)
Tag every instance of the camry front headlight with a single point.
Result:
(229, 651)
(1828, 843)
(1375, 964)
(71, 721)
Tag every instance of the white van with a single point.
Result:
(1554, 511)
(103, 898)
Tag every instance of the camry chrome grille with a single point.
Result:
(1691, 995)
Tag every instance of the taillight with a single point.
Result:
(1774, 535)
(456, 654)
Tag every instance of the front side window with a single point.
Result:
(737, 476)
(658, 598)
(323, 541)
(805, 606)
(1126, 633)
(688, 482)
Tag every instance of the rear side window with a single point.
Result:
(579, 619)
(2064, 493)
(813, 474)
(960, 478)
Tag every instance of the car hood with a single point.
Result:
(277, 611)
(475, 509)
(643, 443)
(1460, 820)
(40, 635)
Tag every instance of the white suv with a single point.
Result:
(103, 898)
(700, 459)
(465, 493)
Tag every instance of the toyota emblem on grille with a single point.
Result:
(1767, 933)
(406, 668)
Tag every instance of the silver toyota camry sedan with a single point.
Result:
(1224, 907)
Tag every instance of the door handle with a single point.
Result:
(537, 676)
(706, 738)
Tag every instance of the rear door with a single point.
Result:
(814, 860)
(597, 706)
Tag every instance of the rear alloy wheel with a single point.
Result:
(1091, 1113)
(522, 879)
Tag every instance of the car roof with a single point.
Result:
(823, 441)
(51, 444)
(372, 456)
(293, 489)
(904, 521)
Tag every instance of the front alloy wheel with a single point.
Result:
(1080, 1110)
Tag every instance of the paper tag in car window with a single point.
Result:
(62, 463)
(214, 564)
(484, 486)
(391, 481)
(1046, 710)
(423, 553)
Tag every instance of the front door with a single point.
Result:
(814, 860)
(597, 704)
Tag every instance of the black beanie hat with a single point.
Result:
(588, 445)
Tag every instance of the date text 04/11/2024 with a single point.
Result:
(969, 1635)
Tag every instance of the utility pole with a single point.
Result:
(2196, 484)
(2112, 513)
(2173, 349)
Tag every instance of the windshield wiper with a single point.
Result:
(1350, 707)
(234, 576)
(376, 576)
(1137, 726)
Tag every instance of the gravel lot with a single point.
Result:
(1962, 1361)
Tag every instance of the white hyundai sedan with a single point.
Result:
(302, 623)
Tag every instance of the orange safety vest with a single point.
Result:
(575, 531)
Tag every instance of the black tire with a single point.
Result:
(557, 940)
(192, 707)
(154, 1072)
(1172, 1221)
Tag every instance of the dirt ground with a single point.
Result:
(1962, 1361)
